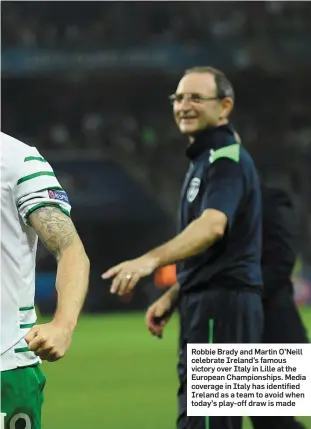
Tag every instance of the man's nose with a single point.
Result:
(184, 109)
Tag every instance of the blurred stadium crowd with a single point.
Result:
(100, 25)
(127, 113)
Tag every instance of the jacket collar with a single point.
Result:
(210, 138)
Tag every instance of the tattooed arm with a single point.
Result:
(57, 232)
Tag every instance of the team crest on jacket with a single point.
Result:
(193, 189)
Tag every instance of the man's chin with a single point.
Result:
(188, 131)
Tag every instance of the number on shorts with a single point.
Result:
(22, 416)
(2, 415)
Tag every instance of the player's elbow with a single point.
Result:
(212, 234)
(215, 223)
(218, 231)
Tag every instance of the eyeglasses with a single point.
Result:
(193, 98)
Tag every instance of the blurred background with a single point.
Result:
(87, 83)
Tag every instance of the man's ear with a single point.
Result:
(227, 106)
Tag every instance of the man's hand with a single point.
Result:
(159, 314)
(49, 341)
(127, 274)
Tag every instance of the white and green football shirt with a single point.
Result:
(27, 183)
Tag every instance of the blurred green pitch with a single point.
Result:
(117, 376)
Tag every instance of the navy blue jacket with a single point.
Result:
(222, 176)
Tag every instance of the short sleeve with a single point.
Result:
(37, 186)
(223, 188)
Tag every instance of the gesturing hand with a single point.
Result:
(127, 274)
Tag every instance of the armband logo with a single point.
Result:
(58, 195)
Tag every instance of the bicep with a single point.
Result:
(54, 228)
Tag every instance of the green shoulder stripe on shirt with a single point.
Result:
(52, 188)
(232, 152)
(46, 205)
(34, 158)
(21, 349)
(34, 175)
(26, 308)
(26, 325)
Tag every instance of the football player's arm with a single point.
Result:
(58, 234)
(173, 293)
(198, 236)
(222, 195)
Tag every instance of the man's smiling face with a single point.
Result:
(196, 105)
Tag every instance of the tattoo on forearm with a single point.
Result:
(54, 229)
